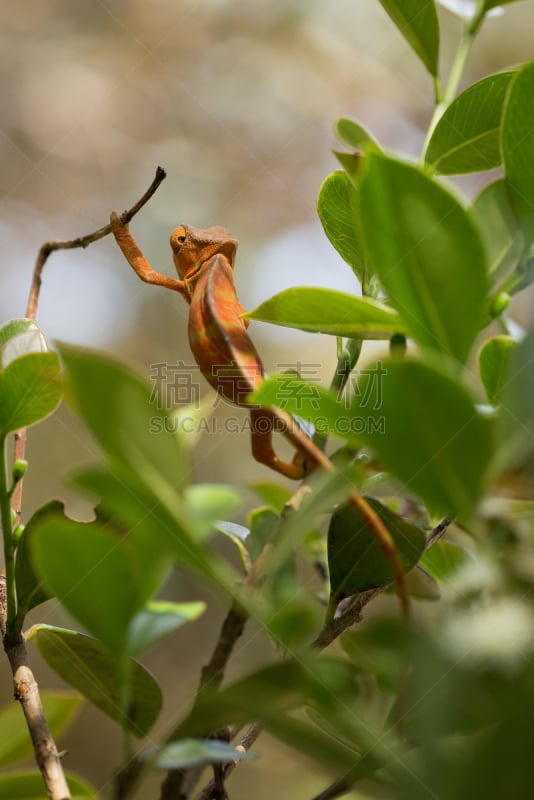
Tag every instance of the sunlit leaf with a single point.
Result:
(329, 311)
(30, 389)
(338, 209)
(467, 138)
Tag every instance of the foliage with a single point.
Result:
(430, 433)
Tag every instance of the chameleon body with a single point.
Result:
(226, 355)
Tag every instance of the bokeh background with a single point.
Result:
(236, 99)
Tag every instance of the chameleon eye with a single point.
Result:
(181, 239)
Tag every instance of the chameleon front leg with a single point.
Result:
(136, 259)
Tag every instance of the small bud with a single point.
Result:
(500, 303)
(17, 533)
(19, 469)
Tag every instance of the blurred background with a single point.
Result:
(236, 100)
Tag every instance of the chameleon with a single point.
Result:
(220, 342)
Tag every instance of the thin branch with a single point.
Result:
(33, 298)
(212, 673)
(26, 692)
(82, 241)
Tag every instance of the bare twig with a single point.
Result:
(82, 241)
(27, 693)
(233, 626)
(33, 298)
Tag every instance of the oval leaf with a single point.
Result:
(30, 389)
(329, 311)
(427, 254)
(518, 146)
(467, 138)
(86, 665)
(493, 363)
(427, 431)
(338, 209)
(356, 135)
(417, 20)
(356, 560)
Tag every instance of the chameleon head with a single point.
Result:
(192, 247)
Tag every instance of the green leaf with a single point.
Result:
(427, 254)
(329, 311)
(493, 362)
(426, 429)
(467, 137)
(195, 753)
(157, 620)
(122, 413)
(417, 20)
(30, 786)
(272, 494)
(15, 743)
(356, 136)
(30, 389)
(355, 558)
(30, 588)
(262, 522)
(499, 227)
(338, 208)
(97, 577)
(518, 146)
(515, 427)
(86, 665)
